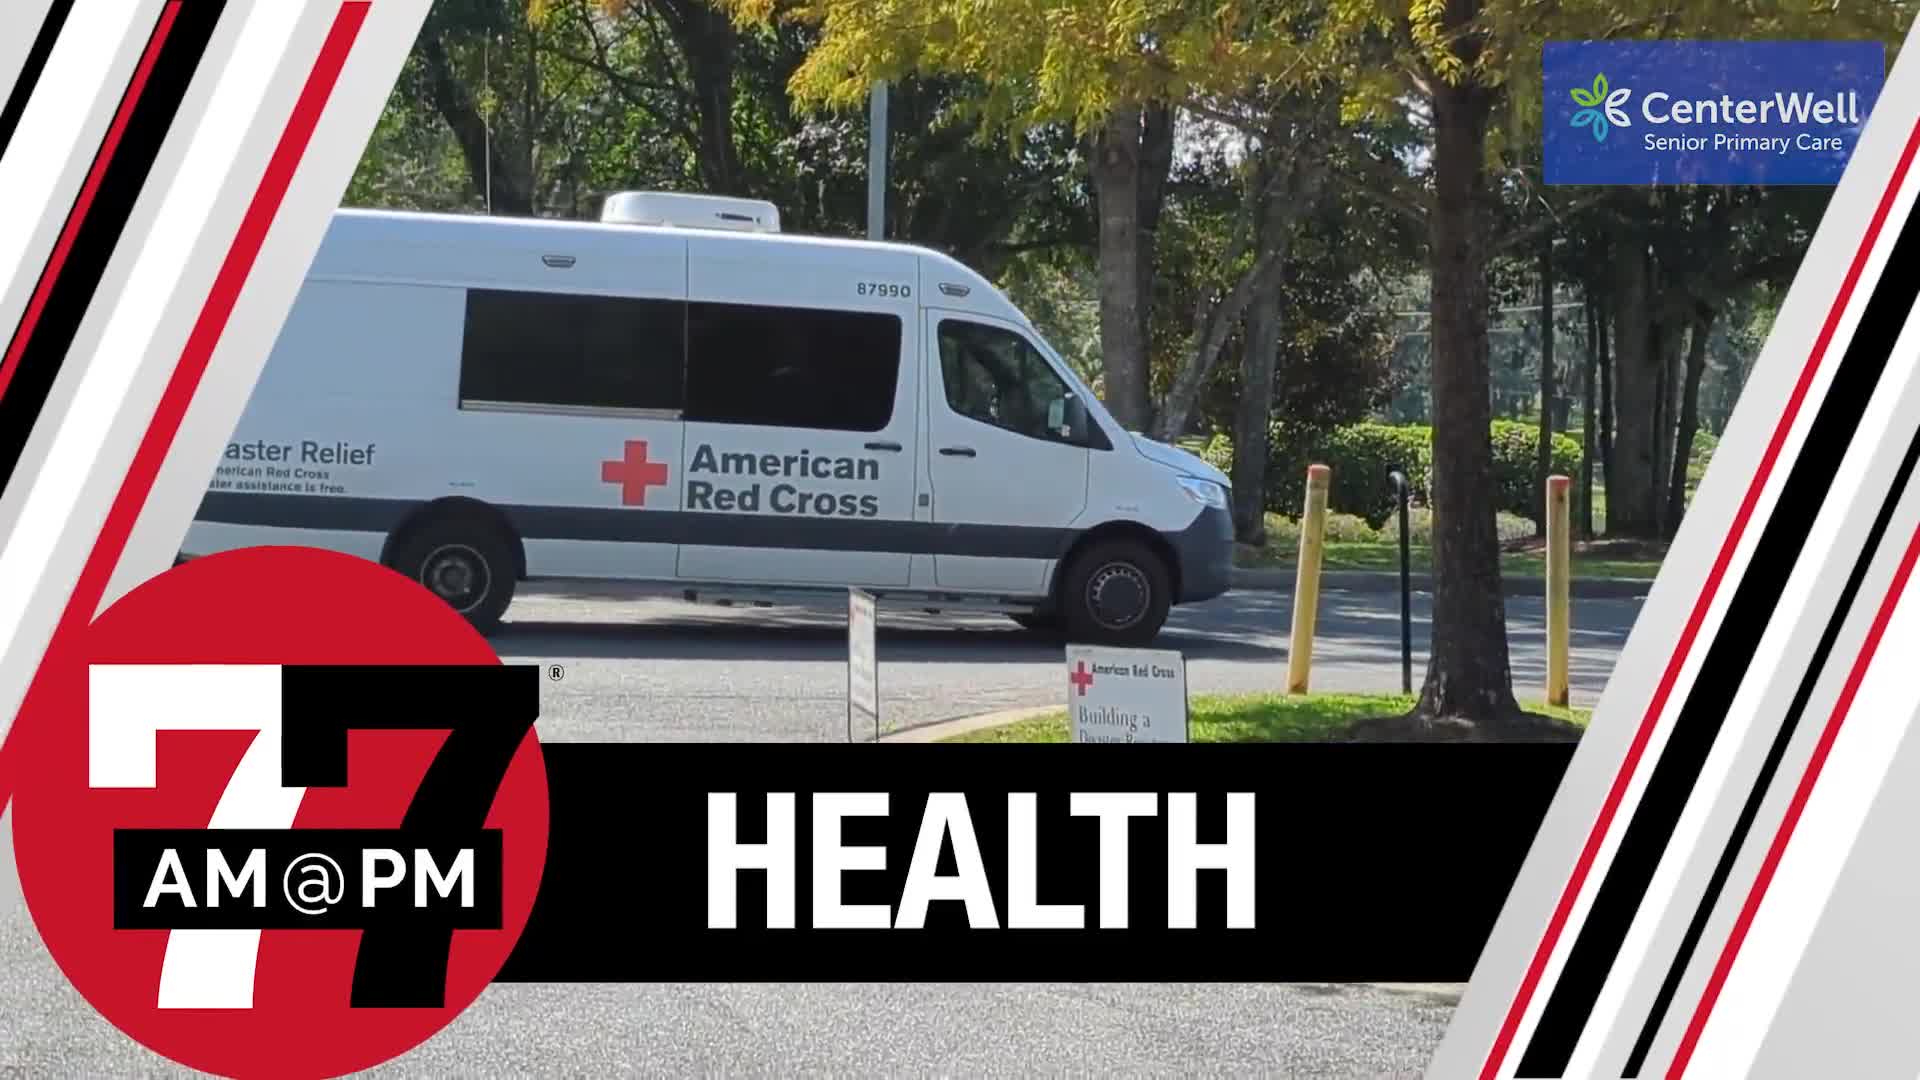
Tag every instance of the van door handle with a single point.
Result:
(889, 447)
(957, 451)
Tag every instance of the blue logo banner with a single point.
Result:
(1707, 112)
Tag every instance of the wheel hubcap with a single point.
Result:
(1118, 595)
(458, 575)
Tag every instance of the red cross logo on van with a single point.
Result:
(634, 473)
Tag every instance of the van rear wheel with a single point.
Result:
(1116, 593)
(465, 562)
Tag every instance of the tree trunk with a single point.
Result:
(1633, 487)
(1543, 457)
(1588, 419)
(705, 37)
(1123, 357)
(495, 173)
(530, 125)
(1689, 419)
(1603, 316)
(1469, 680)
(1156, 166)
(1285, 189)
(1280, 209)
(1667, 338)
(1252, 415)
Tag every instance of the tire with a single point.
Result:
(1097, 614)
(466, 561)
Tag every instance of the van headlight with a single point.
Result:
(1204, 492)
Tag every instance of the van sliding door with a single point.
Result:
(800, 428)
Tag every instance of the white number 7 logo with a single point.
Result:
(128, 706)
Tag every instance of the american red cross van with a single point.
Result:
(682, 395)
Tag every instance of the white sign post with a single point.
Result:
(863, 664)
(1126, 695)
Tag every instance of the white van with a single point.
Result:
(683, 396)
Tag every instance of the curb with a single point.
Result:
(965, 725)
(1369, 581)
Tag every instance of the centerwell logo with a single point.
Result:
(1603, 108)
(1676, 112)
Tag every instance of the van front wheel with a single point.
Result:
(465, 563)
(1116, 593)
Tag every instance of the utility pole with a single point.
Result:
(877, 164)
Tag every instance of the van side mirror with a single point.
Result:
(1074, 422)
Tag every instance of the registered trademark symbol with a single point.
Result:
(556, 672)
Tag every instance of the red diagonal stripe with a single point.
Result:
(205, 337)
(1557, 924)
(78, 215)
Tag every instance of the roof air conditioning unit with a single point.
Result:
(690, 211)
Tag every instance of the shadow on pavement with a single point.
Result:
(775, 638)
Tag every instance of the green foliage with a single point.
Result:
(1516, 452)
(1704, 445)
(1362, 455)
(1354, 544)
(1218, 452)
(1335, 363)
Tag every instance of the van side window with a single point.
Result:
(997, 377)
(584, 352)
(792, 367)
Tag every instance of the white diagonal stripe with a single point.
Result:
(1880, 715)
(20, 22)
(83, 66)
(51, 513)
(338, 142)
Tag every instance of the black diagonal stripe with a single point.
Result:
(1748, 614)
(100, 227)
(1771, 767)
(30, 71)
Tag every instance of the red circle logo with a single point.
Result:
(283, 812)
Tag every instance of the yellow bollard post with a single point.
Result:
(1559, 587)
(1306, 589)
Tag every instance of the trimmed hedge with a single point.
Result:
(1361, 456)
(1516, 449)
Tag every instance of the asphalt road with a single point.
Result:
(47, 1029)
(662, 670)
(652, 670)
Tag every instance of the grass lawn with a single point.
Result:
(1254, 718)
(1386, 557)
(1353, 544)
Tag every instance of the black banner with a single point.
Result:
(1364, 863)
